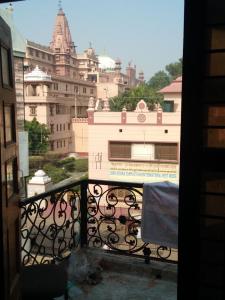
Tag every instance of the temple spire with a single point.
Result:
(61, 39)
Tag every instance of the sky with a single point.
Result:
(148, 33)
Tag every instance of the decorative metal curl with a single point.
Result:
(50, 223)
(164, 252)
(50, 226)
(105, 221)
(108, 220)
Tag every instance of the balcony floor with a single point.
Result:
(130, 278)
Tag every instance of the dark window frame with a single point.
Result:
(128, 156)
(12, 124)
(168, 104)
(10, 84)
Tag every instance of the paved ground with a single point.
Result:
(117, 286)
(127, 278)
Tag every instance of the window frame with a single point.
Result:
(11, 122)
(6, 67)
(31, 107)
(168, 103)
(110, 158)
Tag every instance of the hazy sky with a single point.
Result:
(147, 32)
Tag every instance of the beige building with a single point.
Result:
(54, 90)
(59, 82)
(140, 146)
(107, 74)
(172, 96)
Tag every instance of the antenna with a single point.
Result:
(60, 4)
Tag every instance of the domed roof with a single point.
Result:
(37, 75)
(106, 63)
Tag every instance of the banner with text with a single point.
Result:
(143, 172)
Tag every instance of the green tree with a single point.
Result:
(147, 91)
(38, 135)
(159, 80)
(81, 165)
(175, 69)
(68, 164)
(130, 98)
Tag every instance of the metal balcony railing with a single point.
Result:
(87, 213)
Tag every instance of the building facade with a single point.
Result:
(172, 96)
(107, 74)
(140, 146)
(59, 82)
(54, 90)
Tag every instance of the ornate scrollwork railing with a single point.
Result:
(92, 213)
(114, 218)
(114, 212)
(50, 224)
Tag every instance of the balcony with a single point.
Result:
(104, 218)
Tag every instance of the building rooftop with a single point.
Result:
(39, 46)
(174, 87)
(18, 41)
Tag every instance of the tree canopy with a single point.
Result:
(162, 78)
(175, 69)
(130, 98)
(159, 80)
(38, 135)
(148, 91)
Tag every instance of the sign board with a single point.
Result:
(143, 172)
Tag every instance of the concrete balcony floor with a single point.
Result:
(129, 278)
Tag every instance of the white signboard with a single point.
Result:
(144, 172)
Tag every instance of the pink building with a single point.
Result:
(138, 146)
(172, 96)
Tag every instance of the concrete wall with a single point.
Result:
(108, 126)
(80, 136)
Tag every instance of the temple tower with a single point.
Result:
(63, 47)
(141, 76)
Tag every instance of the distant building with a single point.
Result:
(107, 74)
(54, 90)
(54, 84)
(59, 83)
